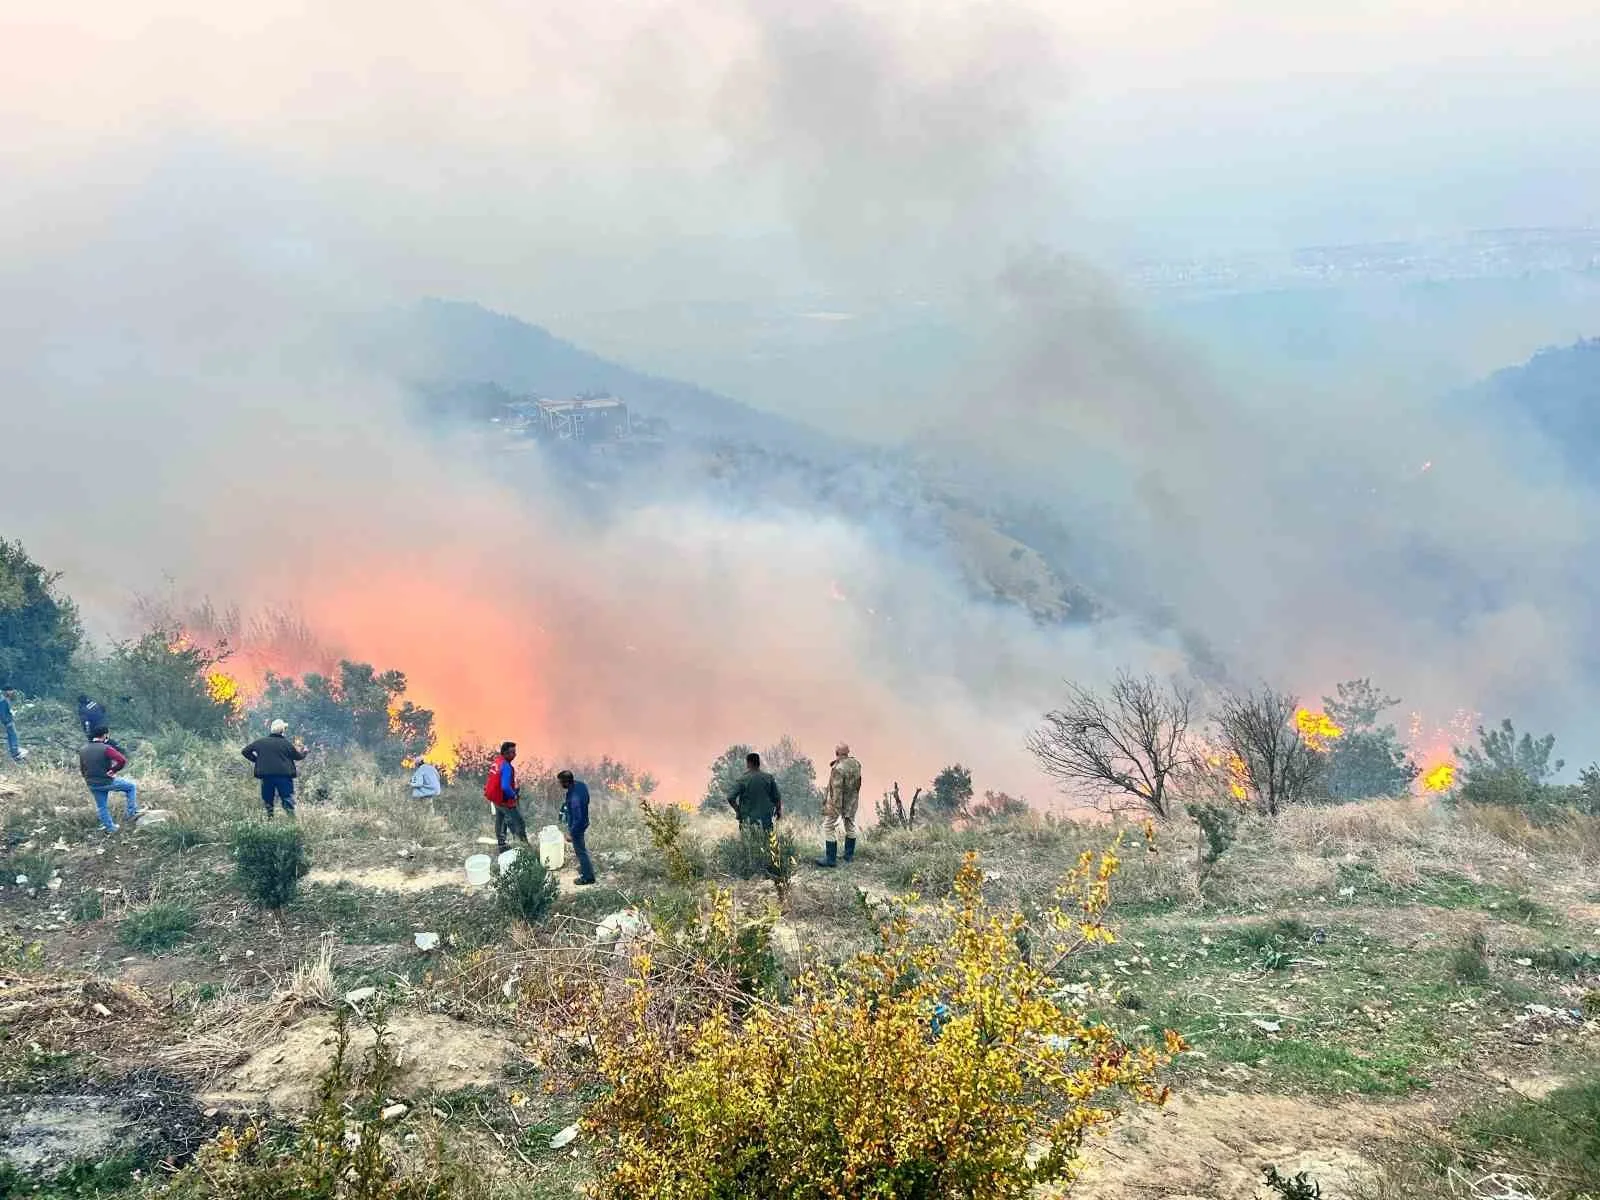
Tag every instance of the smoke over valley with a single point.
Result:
(220, 379)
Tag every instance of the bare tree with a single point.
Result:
(1259, 728)
(1127, 745)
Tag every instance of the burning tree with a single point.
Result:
(1127, 745)
(1261, 729)
(1367, 759)
(359, 707)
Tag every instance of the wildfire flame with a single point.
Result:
(1318, 729)
(223, 688)
(1235, 770)
(1440, 778)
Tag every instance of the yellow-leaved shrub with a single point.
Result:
(945, 1063)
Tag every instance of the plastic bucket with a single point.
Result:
(552, 848)
(477, 870)
(508, 857)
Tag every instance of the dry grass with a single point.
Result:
(1348, 828)
(1569, 835)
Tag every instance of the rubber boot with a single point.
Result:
(849, 849)
(830, 855)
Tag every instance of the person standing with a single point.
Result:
(9, 721)
(755, 798)
(100, 763)
(501, 791)
(425, 781)
(575, 813)
(840, 802)
(91, 715)
(275, 757)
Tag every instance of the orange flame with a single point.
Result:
(1318, 729)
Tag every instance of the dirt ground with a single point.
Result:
(1218, 1146)
(433, 1053)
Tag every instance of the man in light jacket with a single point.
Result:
(425, 781)
(274, 757)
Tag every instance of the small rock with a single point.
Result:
(1346, 892)
(565, 1138)
(1266, 1026)
(487, 841)
(360, 995)
(394, 1112)
(249, 953)
(55, 883)
(1523, 962)
(403, 853)
(22, 881)
(426, 941)
(210, 1112)
(61, 844)
(101, 1010)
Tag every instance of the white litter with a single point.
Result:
(565, 1138)
(426, 941)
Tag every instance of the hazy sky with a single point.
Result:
(495, 148)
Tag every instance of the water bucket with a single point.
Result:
(507, 857)
(552, 849)
(477, 870)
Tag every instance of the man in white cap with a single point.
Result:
(840, 802)
(274, 757)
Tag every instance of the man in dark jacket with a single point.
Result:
(501, 791)
(91, 715)
(575, 813)
(274, 757)
(100, 761)
(755, 797)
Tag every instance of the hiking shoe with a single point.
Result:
(584, 883)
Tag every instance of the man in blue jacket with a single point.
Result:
(575, 812)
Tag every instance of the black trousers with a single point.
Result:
(508, 821)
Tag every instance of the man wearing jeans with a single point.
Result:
(9, 722)
(501, 791)
(274, 757)
(100, 761)
(575, 812)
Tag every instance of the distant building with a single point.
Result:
(587, 419)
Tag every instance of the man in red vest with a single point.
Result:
(500, 790)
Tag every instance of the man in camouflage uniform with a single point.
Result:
(842, 799)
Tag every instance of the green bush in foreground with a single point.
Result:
(159, 927)
(270, 861)
(527, 888)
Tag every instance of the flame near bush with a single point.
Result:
(943, 1064)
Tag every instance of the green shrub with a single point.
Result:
(160, 926)
(526, 888)
(1219, 828)
(1557, 1137)
(270, 860)
(88, 906)
(1469, 961)
(748, 854)
(930, 871)
(682, 856)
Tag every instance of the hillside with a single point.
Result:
(449, 347)
(1557, 392)
(1391, 997)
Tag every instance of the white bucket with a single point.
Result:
(507, 857)
(477, 870)
(552, 849)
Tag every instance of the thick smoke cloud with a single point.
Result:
(211, 202)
